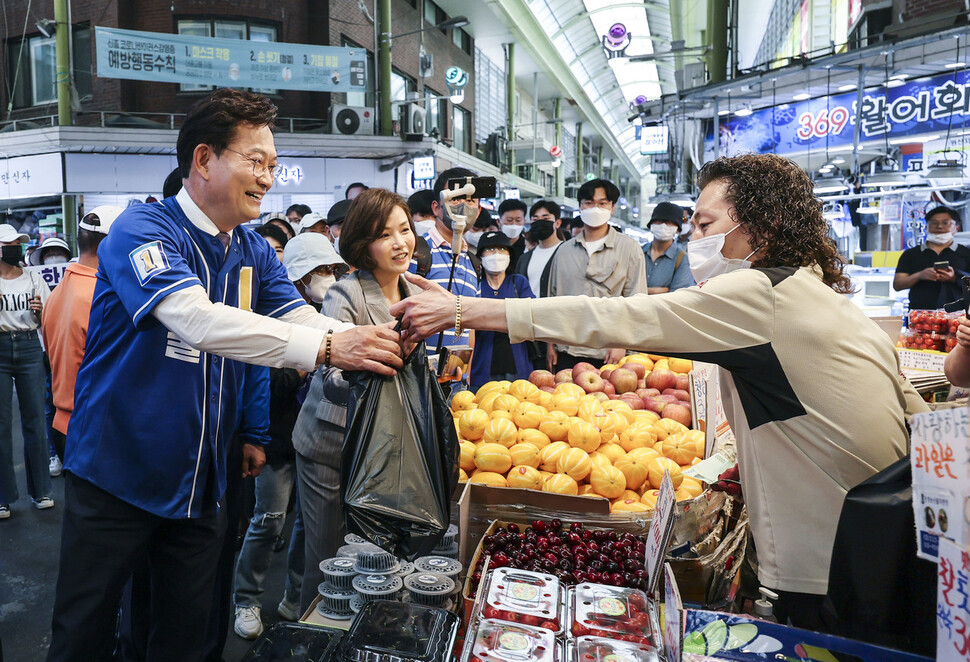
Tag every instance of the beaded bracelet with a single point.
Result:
(326, 352)
(458, 330)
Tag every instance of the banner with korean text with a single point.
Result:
(172, 58)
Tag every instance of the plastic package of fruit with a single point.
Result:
(521, 596)
(601, 649)
(613, 612)
(510, 642)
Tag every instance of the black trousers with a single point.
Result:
(566, 361)
(103, 540)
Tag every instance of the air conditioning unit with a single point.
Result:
(414, 120)
(352, 120)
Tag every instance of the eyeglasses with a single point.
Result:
(260, 168)
(602, 204)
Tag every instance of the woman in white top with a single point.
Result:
(22, 297)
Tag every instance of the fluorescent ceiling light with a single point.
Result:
(913, 139)
(898, 77)
(743, 112)
(945, 172)
(802, 96)
(722, 113)
(847, 87)
(884, 180)
(838, 160)
(895, 82)
(868, 208)
(954, 65)
(830, 185)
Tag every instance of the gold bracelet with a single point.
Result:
(458, 330)
(326, 352)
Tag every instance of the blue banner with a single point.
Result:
(172, 58)
(928, 105)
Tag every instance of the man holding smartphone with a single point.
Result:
(931, 270)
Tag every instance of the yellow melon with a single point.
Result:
(485, 402)
(645, 453)
(528, 415)
(493, 457)
(680, 494)
(574, 390)
(488, 478)
(692, 486)
(599, 460)
(462, 476)
(501, 413)
(466, 458)
(589, 408)
(524, 476)
(607, 481)
(610, 424)
(628, 506)
(561, 484)
(583, 434)
(525, 454)
(642, 359)
(649, 498)
(471, 424)
(506, 402)
(545, 399)
(525, 390)
(546, 475)
(575, 463)
(501, 431)
(587, 490)
(620, 407)
(554, 425)
(656, 469)
(680, 448)
(612, 451)
(534, 437)
(662, 364)
(566, 403)
(463, 400)
(666, 427)
(645, 415)
(488, 387)
(629, 494)
(550, 455)
(637, 436)
(682, 366)
(635, 469)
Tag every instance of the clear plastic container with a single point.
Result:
(450, 552)
(372, 560)
(601, 649)
(611, 612)
(406, 569)
(397, 632)
(354, 539)
(377, 587)
(448, 539)
(427, 588)
(338, 571)
(334, 599)
(499, 641)
(293, 642)
(438, 565)
(521, 596)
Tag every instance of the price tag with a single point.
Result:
(673, 616)
(708, 470)
(921, 359)
(938, 458)
(952, 610)
(659, 533)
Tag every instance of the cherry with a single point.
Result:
(575, 538)
(500, 560)
(549, 556)
(575, 526)
(514, 528)
(587, 535)
(539, 525)
(592, 546)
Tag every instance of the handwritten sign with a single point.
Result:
(673, 616)
(659, 534)
(938, 459)
(952, 608)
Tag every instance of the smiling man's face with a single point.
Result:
(234, 193)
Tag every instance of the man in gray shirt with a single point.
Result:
(600, 261)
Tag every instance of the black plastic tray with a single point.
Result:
(386, 631)
(294, 642)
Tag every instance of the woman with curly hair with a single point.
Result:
(770, 312)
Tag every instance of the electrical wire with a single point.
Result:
(20, 59)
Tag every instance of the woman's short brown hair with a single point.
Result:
(366, 220)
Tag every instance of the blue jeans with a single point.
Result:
(274, 485)
(22, 364)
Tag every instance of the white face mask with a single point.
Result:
(595, 217)
(496, 263)
(55, 259)
(471, 238)
(317, 289)
(424, 227)
(707, 261)
(663, 231)
(940, 239)
(512, 231)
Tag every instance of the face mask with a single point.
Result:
(55, 259)
(512, 231)
(471, 238)
(542, 230)
(317, 289)
(595, 217)
(336, 244)
(424, 227)
(496, 263)
(940, 239)
(664, 232)
(707, 261)
(11, 254)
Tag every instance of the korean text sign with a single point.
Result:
(172, 58)
(952, 608)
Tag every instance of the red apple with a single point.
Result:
(632, 400)
(590, 381)
(582, 367)
(683, 382)
(600, 395)
(606, 372)
(641, 383)
(608, 388)
(542, 378)
(564, 376)
(654, 404)
(677, 412)
(624, 380)
(661, 379)
(638, 368)
(613, 396)
(681, 395)
(547, 389)
(669, 399)
(647, 392)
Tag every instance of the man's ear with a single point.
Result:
(202, 157)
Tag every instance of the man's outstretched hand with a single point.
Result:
(372, 348)
(424, 314)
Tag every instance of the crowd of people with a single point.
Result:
(179, 306)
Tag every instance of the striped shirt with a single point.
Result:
(465, 282)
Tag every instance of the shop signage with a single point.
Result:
(938, 457)
(928, 105)
(673, 615)
(172, 58)
(659, 534)
(31, 176)
(653, 140)
(952, 608)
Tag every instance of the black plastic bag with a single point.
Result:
(879, 590)
(400, 458)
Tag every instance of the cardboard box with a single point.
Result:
(313, 617)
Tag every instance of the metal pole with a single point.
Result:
(557, 115)
(510, 101)
(717, 129)
(579, 151)
(62, 46)
(599, 162)
(384, 67)
(857, 134)
(717, 13)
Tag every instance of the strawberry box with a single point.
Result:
(612, 612)
(521, 596)
(499, 641)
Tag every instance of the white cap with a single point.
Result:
(8, 233)
(311, 219)
(100, 218)
(307, 251)
(50, 242)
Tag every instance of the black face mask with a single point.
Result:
(11, 254)
(542, 230)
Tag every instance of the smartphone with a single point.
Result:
(484, 186)
(941, 266)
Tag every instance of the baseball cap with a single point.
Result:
(493, 240)
(307, 251)
(338, 212)
(311, 219)
(667, 212)
(8, 233)
(100, 218)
